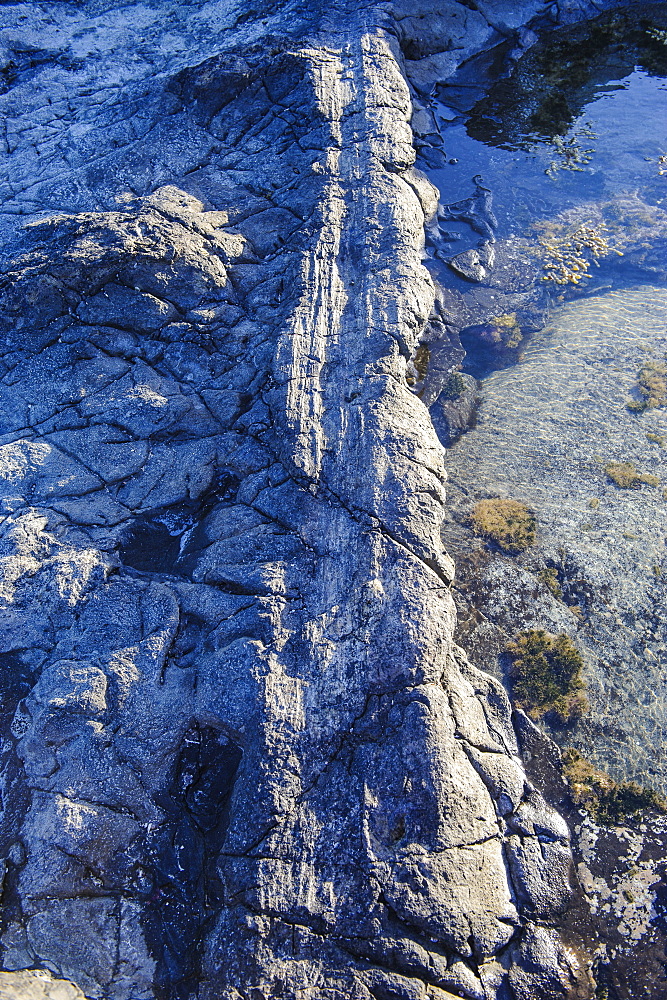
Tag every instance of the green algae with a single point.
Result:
(608, 802)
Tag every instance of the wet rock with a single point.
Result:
(453, 411)
(427, 28)
(540, 949)
(425, 73)
(508, 16)
(469, 264)
(478, 212)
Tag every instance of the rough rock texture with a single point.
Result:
(36, 986)
(242, 756)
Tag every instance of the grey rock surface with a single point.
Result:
(242, 756)
(36, 986)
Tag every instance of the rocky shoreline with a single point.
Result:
(242, 755)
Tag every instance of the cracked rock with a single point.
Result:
(241, 755)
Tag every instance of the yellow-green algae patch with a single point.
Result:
(546, 674)
(608, 802)
(508, 523)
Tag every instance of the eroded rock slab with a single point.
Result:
(242, 756)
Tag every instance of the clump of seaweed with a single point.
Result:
(608, 802)
(418, 367)
(570, 154)
(568, 258)
(507, 523)
(652, 386)
(454, 387)
(549, 577)
(510, 331)
(546, 675)
(625, 476)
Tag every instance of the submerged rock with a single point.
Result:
(560, 424)
(547, 433)
(453, 411)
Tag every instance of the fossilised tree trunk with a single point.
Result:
(242, 756)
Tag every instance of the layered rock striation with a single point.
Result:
(242, 756)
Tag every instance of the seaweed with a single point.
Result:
(608, 802)
(625, 476)
(507, 523)
(568, 258)
(455, 386)
(549, 577)
(652, 386)
(546, 675)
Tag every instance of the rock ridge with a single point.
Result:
(242, 756)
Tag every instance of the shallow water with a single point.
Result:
(624, 126)
(553, 409)
(545, 432)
